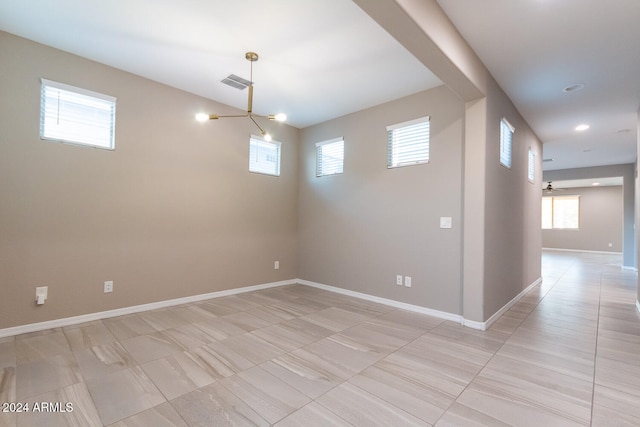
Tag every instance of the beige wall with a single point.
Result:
(627, 172)
(172, 212)
(512, 256)
(601, 216)
(360, 229)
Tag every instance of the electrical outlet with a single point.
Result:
(276, 265)
(108, 286)
(399, 280)
(407, 281)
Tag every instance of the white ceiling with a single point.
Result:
(325, 58)
(318, 59)
(536, 48)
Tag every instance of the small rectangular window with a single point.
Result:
(77, 116)
(408, 143)
(506, 141)
(264, 156)
(330, 157)
(531, 170)
(561, 212)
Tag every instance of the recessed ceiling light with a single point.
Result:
(596, 183)
(574, 87)
(582, 127)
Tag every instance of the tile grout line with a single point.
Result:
(505, 341)
(595, 353)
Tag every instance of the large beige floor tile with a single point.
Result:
(32, 347)
(403, 391)
(306, 372)
(101, 360)
(159, 416)
(515, 384)
(129, 326)
(74, 408)
(313, 415)
(219, 360)
(145, 348)
(215, 405)
(178, 374)
(88, 335)
(46, 374)
(361, 408)
(272, 398)
(122, 394)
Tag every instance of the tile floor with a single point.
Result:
(567, 354)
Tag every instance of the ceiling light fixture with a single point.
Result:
(582, 127)
(281, 117)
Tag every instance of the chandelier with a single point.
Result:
(251, 57)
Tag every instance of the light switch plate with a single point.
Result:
(445, 222)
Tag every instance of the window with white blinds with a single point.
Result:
(330, 157)
(531, 170)
(77, 116)
(264, 156)
(408, 143)
(506, 142)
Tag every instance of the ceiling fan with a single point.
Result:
(549, 188)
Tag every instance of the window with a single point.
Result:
(561, 212)
(77, 116)
(264, 157)
(506, 141)
(330, 157)
(531, 170)
(408, 143)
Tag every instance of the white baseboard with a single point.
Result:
(57, 323)
(487, 324)
(385, 301)
(582, 251)
(67, 321)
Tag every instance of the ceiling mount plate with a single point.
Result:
(251, 56)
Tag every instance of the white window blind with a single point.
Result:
(330, 157)
(408, 143)
(78, 116)
(531, 170)
(264, 156)
(506, 141)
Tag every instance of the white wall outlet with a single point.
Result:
(276, 265)
(399, 280)
(407, 281)
(445, 222)
(108, 286)
(41, 294)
